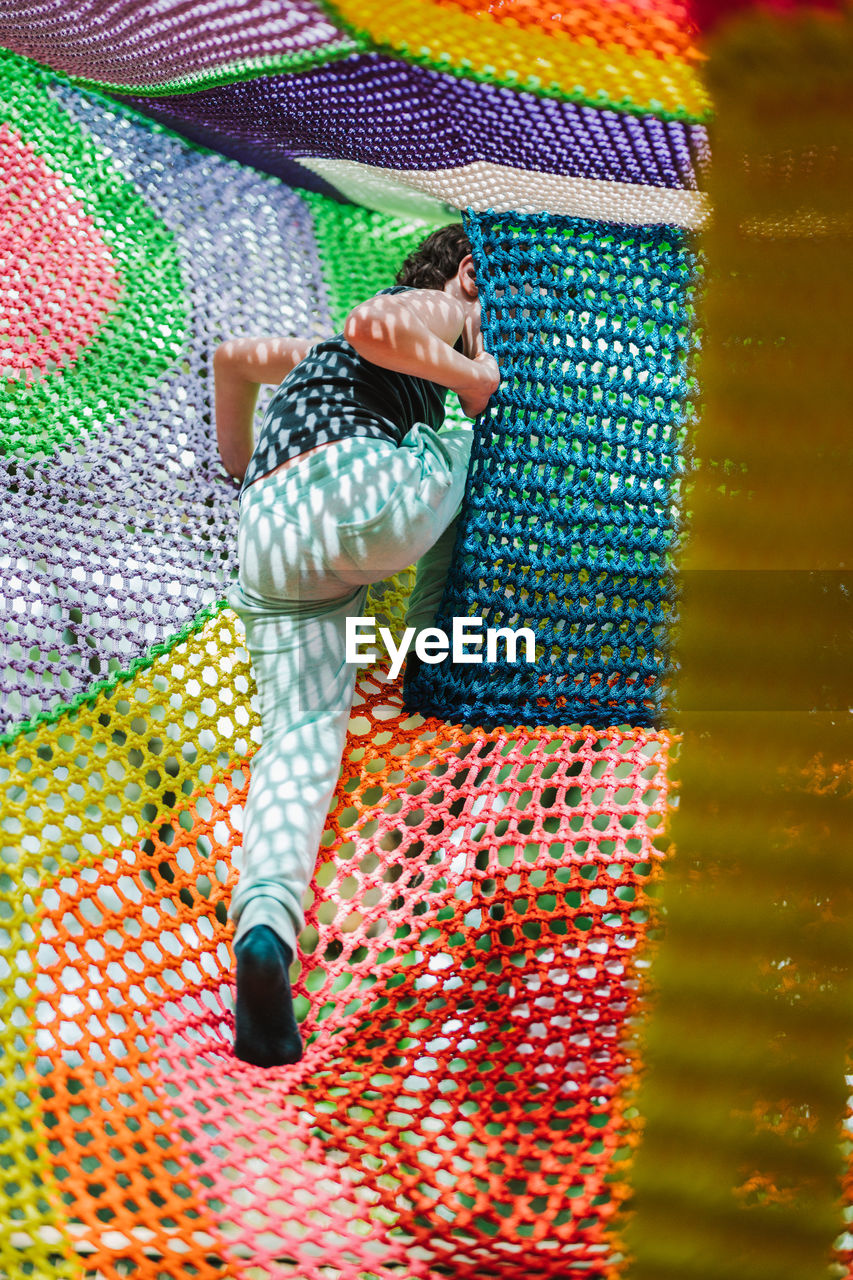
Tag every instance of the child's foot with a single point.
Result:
(267, 1034)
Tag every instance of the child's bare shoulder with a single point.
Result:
(414, 310)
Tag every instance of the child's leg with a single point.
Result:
(303, 562)
(305, 690)
(304, 565)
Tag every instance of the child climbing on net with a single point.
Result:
(350, 480)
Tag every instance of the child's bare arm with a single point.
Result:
(240, 368)
(414, 333)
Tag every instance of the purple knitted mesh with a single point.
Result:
(382, 111)
(128, 43)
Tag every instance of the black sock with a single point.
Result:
(266, 1030)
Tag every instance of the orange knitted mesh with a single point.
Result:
(662, 27)
(472, 948)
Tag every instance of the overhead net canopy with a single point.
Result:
(472, 966)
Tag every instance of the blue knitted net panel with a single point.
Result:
(571, 510)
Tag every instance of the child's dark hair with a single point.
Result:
(437, 260)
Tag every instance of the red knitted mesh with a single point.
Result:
(662, 27)
(58, 279)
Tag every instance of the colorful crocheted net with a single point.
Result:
(474, 962)
(570, 513)
(457, 964)
(644, 64)
(472, 951)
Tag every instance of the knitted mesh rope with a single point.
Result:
(368, 94)
(665, 29)
(569, 516)
(98, 574)
(473, 956)
(474, 962)
(391, 136)
(644, 62)
(403, 122)
(580, 63)
(168, 44)
(470, 968)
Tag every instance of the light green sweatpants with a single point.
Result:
(310, 539)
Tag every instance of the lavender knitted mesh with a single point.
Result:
(169, 42)
(96, 570)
